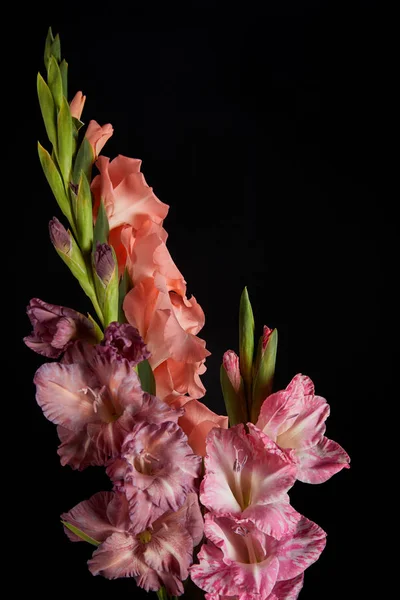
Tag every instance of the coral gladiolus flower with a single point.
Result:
(197, 421)
(155, 557)
(247, 476)
(241, 560)
(95, 401)
(98, 136)
(156, 470)
(295, 419)
(128, 200)
(76, 105)
(55, 328)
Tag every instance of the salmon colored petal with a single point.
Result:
(190, 315)
(76, 105)
(98, 135)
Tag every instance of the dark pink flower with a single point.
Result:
(247, 476)
(95, 401)
(123, 341)
(157, 470)
(55, 328)
(160, 555)
(295, 419)
(241, 560)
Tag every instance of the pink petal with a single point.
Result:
(98, 135)
(287, 590)
(118, 556)
(170, 549)
(76, 105)
(298, 551)
(197, 421)
(319, 463)
(309, 427)
(212, 574)
(59, 393)
(92, 517)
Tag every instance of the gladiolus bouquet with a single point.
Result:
(196, 499)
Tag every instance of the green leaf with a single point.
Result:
(146, 377)
(246, 341)
(55, 182)
(84, 215)
(264, 379)
(81, 534)
(48, 109)
(235, 403)
(84, 161)
(56, 48)
(65, 140)
(54, 81)
(101, 228)
(47, 47)
(125, 285)
(77, 123)
(64, 77)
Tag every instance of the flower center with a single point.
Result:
(102, 406)
(251, 545)
(144, 537)
(146, 463)
(237, 490)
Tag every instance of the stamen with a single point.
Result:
(239, 464)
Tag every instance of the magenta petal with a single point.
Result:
(319, 463)
(287, 590)
(91, 517)
(298, 551)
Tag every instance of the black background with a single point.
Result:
(261, 130)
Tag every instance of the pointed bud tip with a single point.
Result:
(60, 237)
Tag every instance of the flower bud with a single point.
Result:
(76, 105)
(233, 389)
(105, 270)
(123, 341)
(264, 371)
(98, 135)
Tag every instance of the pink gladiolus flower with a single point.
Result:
(156, 470)
(241, 560)
(55, 328)
(127, 198)
(282, 590)
(155, 557)
(95, 401)
(98, 136)
(197, 421)
(76, 105)
(248, 476)
(295, 419)
(122, 341)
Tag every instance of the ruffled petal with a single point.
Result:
(287, 590)
(298, 551)
(319, 463)
(92, 517)
(212, 574)
(118, 556)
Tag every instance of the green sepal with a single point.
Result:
(98, 331)
(264, 377)
(146, 377)
(76, 264)
(56, 48)
(162, 594)
(84, 215)
(65, 140)
(83, 161)
(81, 534)
(111, 305)
(48, 109)
(47, 47)
(101, 228)
(55, 182)
(54, 81)
(64, 76)
(246, 341)
(235, 402)
(77, 123)
(125, 285)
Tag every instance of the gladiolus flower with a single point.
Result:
(295, 419)
(241, 560)
(157, 470)
(158, 556)
(76, 105)
(247, 476)
(282, 590)
(95, 401)
(98, 136)
(55, 328)
(122, 341)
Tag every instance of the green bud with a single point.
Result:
(56, 48)
(84, 215)
(105, 271)
(246, 342)
(232, 389)
(264, 376)
(48, 109)
(83, 161)
(47, 47)
(64, 76)
(65, 140)
(54, 81)
(55, 182)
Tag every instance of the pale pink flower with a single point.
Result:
(241, 560)
(98, 136)
(156, 469)
(247, 476)
(76, 105)
(55, 328)
(295, 419)
(282, 590)
(160, 555)
(95, 401)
